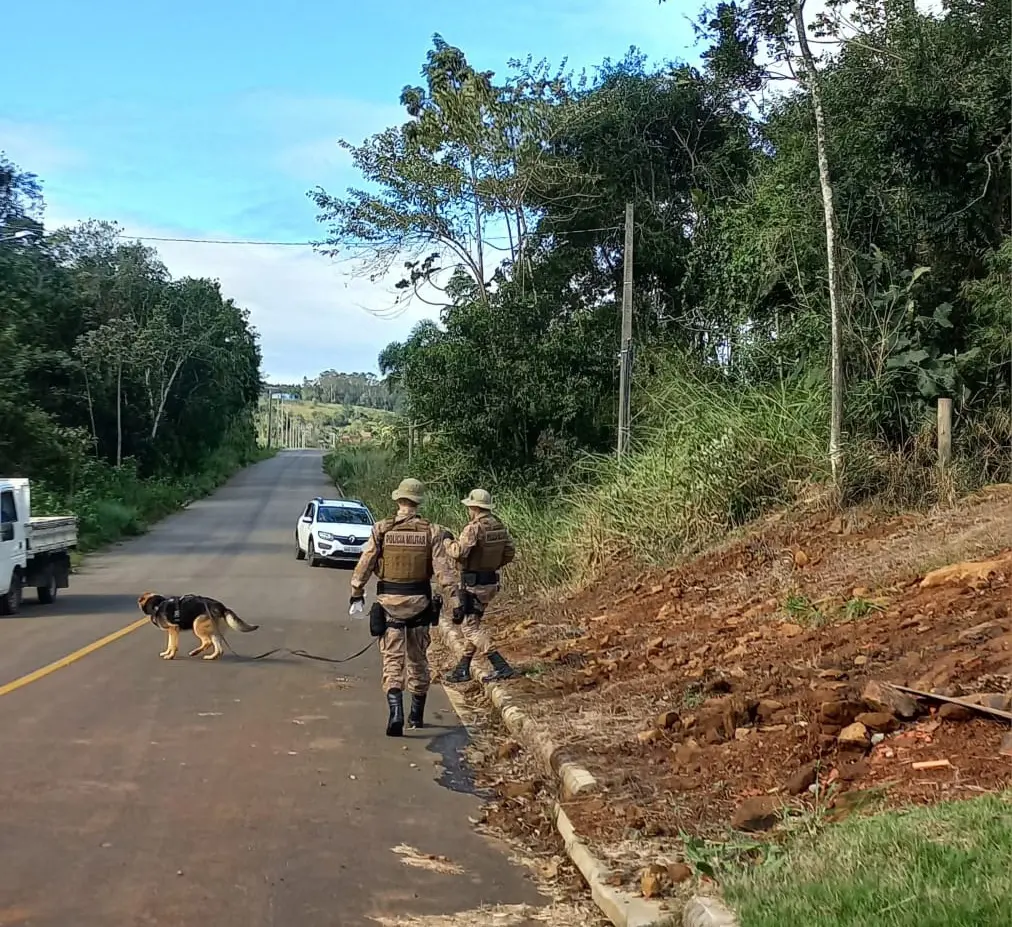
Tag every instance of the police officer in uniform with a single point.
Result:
(406, 554)
(483, 548)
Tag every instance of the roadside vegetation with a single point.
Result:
(124, 392)
(812, 274)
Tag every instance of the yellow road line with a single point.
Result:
(71, 658)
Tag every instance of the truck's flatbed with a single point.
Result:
(51, 532)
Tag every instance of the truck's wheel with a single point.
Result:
(10, 604)
(311, 554)
(47, 593)
(300, 554)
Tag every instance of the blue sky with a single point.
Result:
(213, 119)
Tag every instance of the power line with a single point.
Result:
(313, 244)
(220, 241)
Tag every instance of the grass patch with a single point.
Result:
(711, 458)
(115, 503)
(949, 865)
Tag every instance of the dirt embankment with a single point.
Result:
(722, 690)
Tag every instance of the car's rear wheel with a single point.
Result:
(300, 554)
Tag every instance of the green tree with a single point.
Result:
(106, 358)
(462, 162)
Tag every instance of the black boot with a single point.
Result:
(395, 726)
(462, 671)
(417, 713)
(500, 668)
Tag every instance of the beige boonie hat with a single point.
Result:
(478, 499)
(409, 489)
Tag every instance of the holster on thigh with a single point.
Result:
(472, 606)
(377, 620)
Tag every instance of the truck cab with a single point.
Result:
(33, 551)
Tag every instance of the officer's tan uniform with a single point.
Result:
(483, 548)
(405, 555)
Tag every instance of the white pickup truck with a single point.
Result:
(33, 551)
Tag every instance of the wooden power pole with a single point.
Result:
(626, 350)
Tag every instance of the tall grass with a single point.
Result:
(708, 458)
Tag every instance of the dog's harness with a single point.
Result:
(177, 601)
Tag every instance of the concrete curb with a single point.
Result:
(621, 908)
(575, 779)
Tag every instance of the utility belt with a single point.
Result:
(480, 577)
(416, 587)
(379, 620)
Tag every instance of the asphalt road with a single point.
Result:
(138, 791)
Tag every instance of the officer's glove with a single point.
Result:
(458, 614)
(445, 535)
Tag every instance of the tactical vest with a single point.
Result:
(406, 555)
(487, 554)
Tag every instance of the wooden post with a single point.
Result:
(625, 352)
(411, 441)
(944, 434)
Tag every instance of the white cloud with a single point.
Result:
(37, 148)
(312, 313)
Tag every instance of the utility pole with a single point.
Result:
(270, 416)
(625, 352)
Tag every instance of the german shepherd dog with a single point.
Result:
(204, 616)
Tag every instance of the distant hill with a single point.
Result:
(348, 389)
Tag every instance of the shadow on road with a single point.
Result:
(71, 605)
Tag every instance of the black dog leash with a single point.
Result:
(303, 654)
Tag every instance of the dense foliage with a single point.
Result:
(118, 383)
(507, 197)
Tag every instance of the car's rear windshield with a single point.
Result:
(343, 515)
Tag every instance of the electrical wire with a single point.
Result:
(312, 244)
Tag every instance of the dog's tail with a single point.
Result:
(236, 623)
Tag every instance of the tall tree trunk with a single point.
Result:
(832, 248)
(119, 411)
(477, 225)
(164, 397)
(91, 410)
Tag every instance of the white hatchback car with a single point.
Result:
(332, 529)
